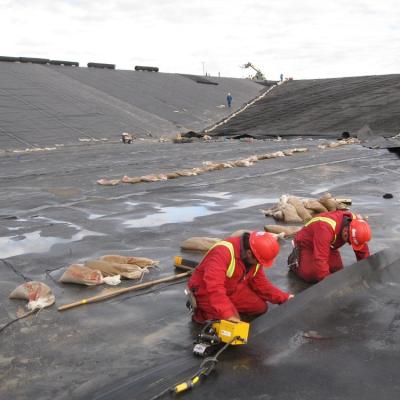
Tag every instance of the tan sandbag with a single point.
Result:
(199, 243)
(77, 273)
(186, 172)
(172, 175)
(142, 262)
(129, 271)
(108, 182)
(331, 203)
(290, 214)
(300, 150)
(128, 179)
(242, 163)
(288, 152)
(279, 215)
(303, 213)
(38, 294)
(277, 154)
(265, 156)
(315, 206)
(328, 202)
(288, 230)
(149, 178)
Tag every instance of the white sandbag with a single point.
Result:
(112, 280)
(38, 294)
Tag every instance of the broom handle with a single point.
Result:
(117, 292)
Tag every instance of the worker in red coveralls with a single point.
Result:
(316, 254)
(230, 280)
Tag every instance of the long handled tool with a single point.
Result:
(117, 292)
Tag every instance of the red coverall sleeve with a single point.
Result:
(363, 253)
(266, 290)
(322, 239)
(218, 260)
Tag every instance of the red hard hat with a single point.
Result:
(359, 233)
(264, 247)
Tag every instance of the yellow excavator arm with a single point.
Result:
(259, 75)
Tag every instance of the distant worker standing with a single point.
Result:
(281, 77)
(230, 279)
(229, 99)
(316, 254)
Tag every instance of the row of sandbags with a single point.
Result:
(208, 166)
(338, 143)
(107, 269)
(291, 209)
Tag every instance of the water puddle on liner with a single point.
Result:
(217, 195)
(34, 243)
(168, 215)
(95, 216)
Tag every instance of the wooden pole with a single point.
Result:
(117, 292)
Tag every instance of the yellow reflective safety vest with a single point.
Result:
(327, 220)
(232, 264)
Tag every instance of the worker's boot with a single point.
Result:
(294, 258)
(191, 303)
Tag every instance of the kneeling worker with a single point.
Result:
(316, 254)
(230, 279)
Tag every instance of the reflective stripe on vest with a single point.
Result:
(327, 220)
(231, 269)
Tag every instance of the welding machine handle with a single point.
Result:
(186, 385)
(184, 263)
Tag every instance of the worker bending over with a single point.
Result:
(316, 254)
(230, 279)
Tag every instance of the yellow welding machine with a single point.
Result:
(227, 330)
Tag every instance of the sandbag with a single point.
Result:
(79, 274)
(186, 172)
(108, 182)
(199, 243)
(141, 262)
(303, 213)
(128, 179)
(128, 271)
(38, 294)
(149, 178)
(287, 231)
(331, 204)
(172, 175)
(290, 213)
(315, 206)
(243, 163)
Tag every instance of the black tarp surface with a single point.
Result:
(53, 213)
(322, 108)
(44, 105)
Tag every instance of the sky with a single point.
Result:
(303, 39)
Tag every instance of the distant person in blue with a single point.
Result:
(229, 99)
(281, 77)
